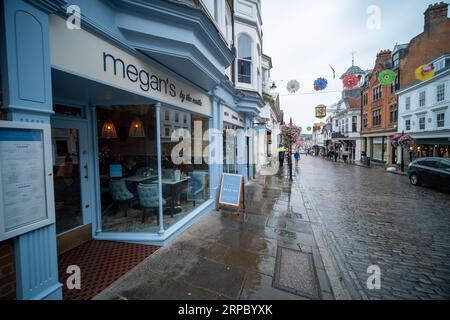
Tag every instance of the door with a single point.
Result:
(444, 174)
(71, 183)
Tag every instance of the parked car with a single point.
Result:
(434, 172)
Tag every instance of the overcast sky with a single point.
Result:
(303, 37)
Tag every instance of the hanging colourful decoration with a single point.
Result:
(293, 86)
(321, 111)
(308, 128)
(350, 81)
(387, 77)
(425, 72)
(320, 84)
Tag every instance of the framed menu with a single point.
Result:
(26, 182)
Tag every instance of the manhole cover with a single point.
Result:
(295, 272)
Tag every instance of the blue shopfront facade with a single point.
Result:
(113, 93)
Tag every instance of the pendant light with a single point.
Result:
(109, 130)
(136, 129)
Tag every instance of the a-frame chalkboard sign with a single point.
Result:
(231, 192)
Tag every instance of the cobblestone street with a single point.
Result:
(371, 217)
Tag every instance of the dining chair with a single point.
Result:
(120, 193)
(149, 199)
(196, 186)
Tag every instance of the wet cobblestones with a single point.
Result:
(376, 218)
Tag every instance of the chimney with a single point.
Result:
(435, 14)
(384, 55)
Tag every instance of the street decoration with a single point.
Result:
(293, 86)
(425, 72)
(308, 129)
(387, 77)
(402, 140)
(320, 84)
(350, 81)
(321, 111)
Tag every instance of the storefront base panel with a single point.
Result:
(167, 236)
(52, 293)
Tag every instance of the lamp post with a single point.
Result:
(290, 150)
(402, 163)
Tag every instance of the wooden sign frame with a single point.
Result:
(241, 201)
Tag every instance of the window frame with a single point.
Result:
(422, 122)
(422, 100)
(440, 94)
(440, 120)
(245, 61)
(408, 125)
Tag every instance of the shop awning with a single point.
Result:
(436, 141)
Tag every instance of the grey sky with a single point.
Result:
(304, 36)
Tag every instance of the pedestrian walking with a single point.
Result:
(281, 153)
(297, 157)
(336, 155)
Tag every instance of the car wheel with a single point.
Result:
(414, 179)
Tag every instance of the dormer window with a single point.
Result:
(244, 59)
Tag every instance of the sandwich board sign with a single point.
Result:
(231, 192)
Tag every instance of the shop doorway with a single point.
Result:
(72, 188)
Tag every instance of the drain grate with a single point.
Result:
(295, 273)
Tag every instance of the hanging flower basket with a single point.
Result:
(406, 141)
(387, 77)
(350, 81)
(320, 84)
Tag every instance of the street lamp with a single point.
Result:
(290, 150)
(402, 164)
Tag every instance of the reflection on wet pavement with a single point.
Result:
(377, 218)
(226, 256)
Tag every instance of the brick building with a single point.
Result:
(433, 42)
(379, 113)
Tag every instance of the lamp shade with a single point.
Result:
(109, 130)
(136, 129)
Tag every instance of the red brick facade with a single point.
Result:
(7, 271)
(379, 98)
(427, 46)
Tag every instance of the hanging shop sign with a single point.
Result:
(321, 111)
(89, 56)
(26, 185)
(231, 192)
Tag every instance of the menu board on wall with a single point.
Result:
(22, 170)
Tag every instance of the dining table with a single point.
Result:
(174, 187)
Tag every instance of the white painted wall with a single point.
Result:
(431, 109)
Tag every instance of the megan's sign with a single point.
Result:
(84, 54)
(144, 79)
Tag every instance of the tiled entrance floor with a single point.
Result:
(101, 263)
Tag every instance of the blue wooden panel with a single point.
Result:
(30, 57)
(26, 64)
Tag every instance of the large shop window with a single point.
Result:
(379, 147)
(229, 149)
(245, 59)
(128, 165)
(128, 168)
(185, 170)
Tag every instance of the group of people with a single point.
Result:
(282, 154)
(336, 154)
